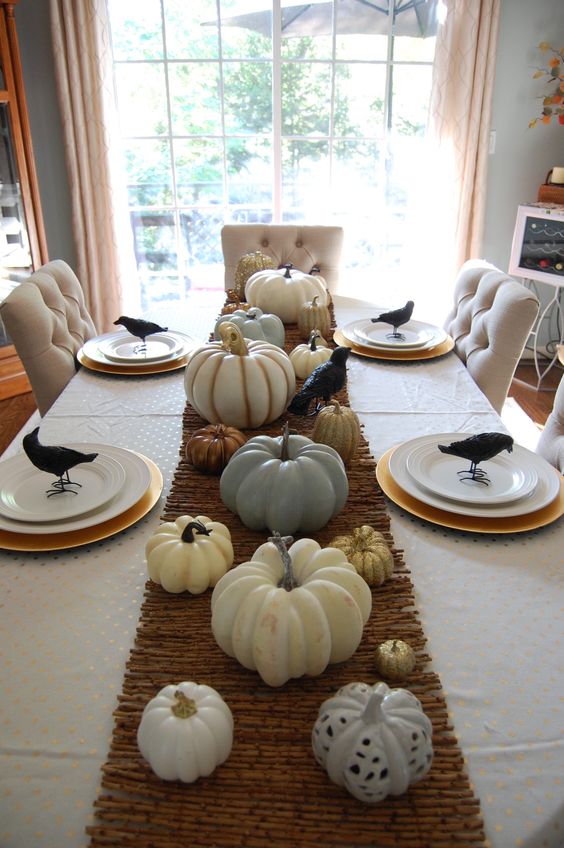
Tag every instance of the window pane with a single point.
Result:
(201, 236)
(319, 47)
(191, 29)
(248, 97)
(359, 99)
(410, 100)
(367, 47)
(195, 102)
(305, 180)
(136, 29)
(141, 94)
(414, 49)
(249, 172)
(199, 171)
(246, 32)
(306, 98)
(149, 177)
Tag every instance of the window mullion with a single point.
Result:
(277, 110)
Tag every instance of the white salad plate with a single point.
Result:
(23, 490)
(115, 348)
(545, 491)
(510, 476)
(137, 481)
(370, 335)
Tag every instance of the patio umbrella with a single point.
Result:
(415, 18)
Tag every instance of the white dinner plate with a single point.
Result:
(352, 330)
(24, 497)
(94, 349)
(416, 334)
(125, 347)
(137, 481)
(510, 475)
(546, 490)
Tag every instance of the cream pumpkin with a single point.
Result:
(306, 357)
(238, 382)
(291, 611)
(284, 292)
(189, 554)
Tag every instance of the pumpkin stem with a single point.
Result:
(252, 314)
(288, 581)
(336, 407)
(373, 711)
(315, 334)
(287, 272)
(284, 450)
(184, 707)
(315, 269)
(232, 339)
(188, 532)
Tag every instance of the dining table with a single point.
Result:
(491, 604)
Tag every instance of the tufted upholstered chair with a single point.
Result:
(303, 246)
(551, 442)
(490, 323)
(47, 321)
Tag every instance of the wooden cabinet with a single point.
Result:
(23, 246)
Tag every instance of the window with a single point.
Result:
(250, 111)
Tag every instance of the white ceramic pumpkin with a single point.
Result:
(185, 732)
(306, 357)
(286, 483)
(239, 383)
(255, 324)
(290, 612)
(285, 291)
(189, 554)
(373, 741)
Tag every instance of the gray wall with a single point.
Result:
(521, 160)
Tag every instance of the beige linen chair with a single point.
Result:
(490, 323)
(303, 246)
(47, 321)
(551, 442)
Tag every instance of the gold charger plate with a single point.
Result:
(72, 539)
(156, 368)
(408, 355)
(475, 524)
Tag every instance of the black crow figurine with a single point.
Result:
(55, 460)
(140, 328)
(323, 382)
(478, 449)
(396, 318)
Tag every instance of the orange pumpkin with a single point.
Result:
(210, 448)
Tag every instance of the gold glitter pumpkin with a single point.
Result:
(338, 426)
(248, 265)
(367, 550)
(395, 659)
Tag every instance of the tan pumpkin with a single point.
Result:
(366, 549)
(314, 316)
(238, 382)
(338, 426)
(306, 357)
(210, 448)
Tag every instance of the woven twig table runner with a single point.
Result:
(271, 792)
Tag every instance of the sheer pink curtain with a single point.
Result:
(82, 50)
(461, 106)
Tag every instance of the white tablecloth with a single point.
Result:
(491, 607)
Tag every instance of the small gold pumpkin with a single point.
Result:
(395, 659)
(366, 549)
(210, 448)
(338, 426)
(248, 265)
(314, 316)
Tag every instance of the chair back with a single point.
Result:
(47, 321)
(490, 323)
(551, 442)
(303, 246)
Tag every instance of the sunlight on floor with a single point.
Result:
(522, 428)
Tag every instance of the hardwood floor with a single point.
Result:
(15, 411)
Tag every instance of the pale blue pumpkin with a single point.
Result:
(255, 324)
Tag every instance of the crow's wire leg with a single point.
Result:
(474, 473)
(62, 485)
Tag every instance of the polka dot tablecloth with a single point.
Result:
(491, 607)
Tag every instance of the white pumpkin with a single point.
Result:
(286, 483)
(255, 324)
(189, 554)
(306, 357)
(284, 292)
(373, 741)
(185, 732)
(239, 383)
(288, 613)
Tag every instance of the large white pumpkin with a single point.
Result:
(238, 382)
(290, 612)
(373, 741)
(285, 291)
